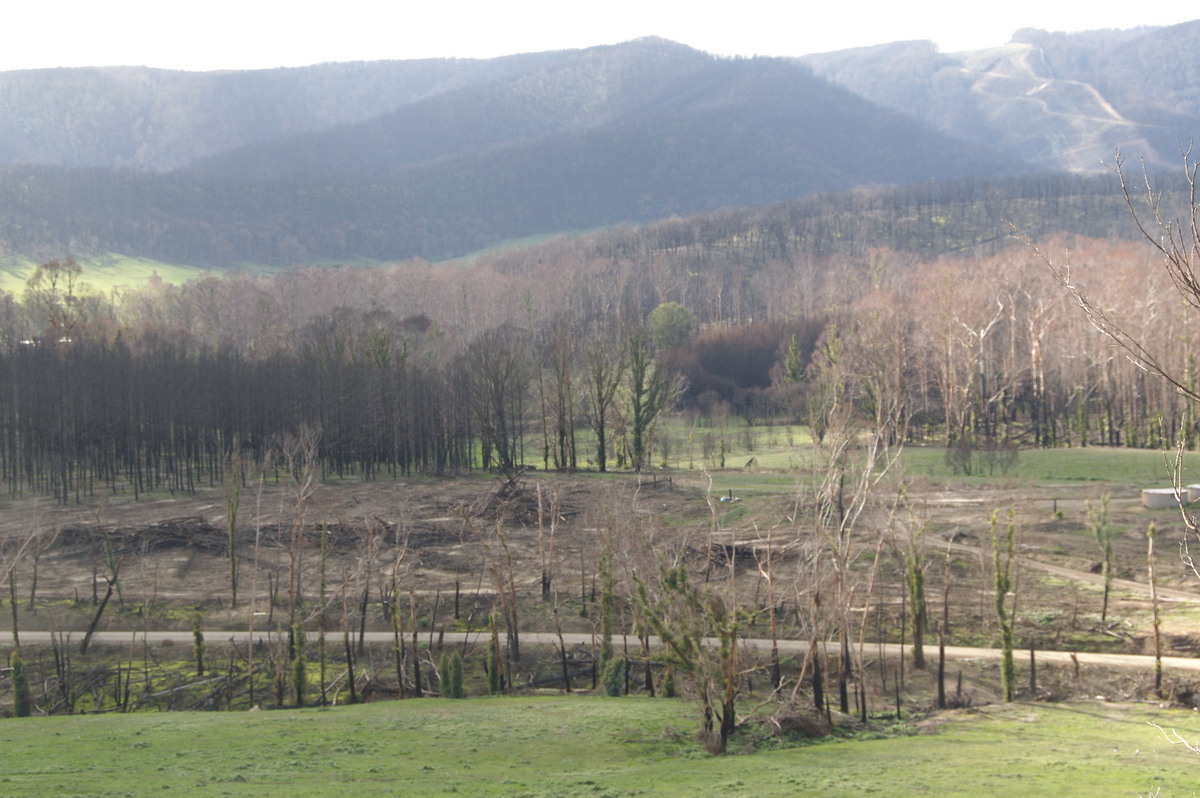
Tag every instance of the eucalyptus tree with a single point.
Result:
(650, 391)
(498, 375)
(603, 374)
(847, 470)
(55, 294)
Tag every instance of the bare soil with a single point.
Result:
(440, 536)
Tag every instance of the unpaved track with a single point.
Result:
(786, 647)
(1127, 585)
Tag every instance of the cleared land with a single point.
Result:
(434, 534)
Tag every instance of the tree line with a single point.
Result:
(282, 219)
(95, 400)
(504, 361)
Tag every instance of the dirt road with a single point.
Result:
(786, 647)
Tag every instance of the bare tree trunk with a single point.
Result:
(818, 678)
(398, 634)
(350, 678)
(1032, 674)
(941, 669)
(416, 655)
(108, 593)
(12, 603)
(233, 496)
(943, 628)
(33, 580)
(1154, 603)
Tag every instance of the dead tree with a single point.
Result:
(110, 579)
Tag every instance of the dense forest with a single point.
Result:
(918, 305)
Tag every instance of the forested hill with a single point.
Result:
(161, 119)
(438, 158)
(582, 139)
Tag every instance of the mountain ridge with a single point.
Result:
(673, 131)
(1037, 95)
(437, 158)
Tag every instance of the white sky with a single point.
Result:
(252, 34)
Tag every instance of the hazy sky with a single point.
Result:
(250, 34)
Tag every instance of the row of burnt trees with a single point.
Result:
(86, 407)
(81, 417)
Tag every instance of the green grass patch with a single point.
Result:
(102, 273)
(702, 445)
(571, 745)
(1142, 467)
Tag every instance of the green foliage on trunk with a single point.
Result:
(198, 645)
(22, 700)
(495, 684)
(299, 664)
(1098, 523)
(454, 681)
(1003, 555)
(683, 616)
(914, 579)
(450, 675)
(651, 391)
(604, 570)
(668, 688)
(612, 677)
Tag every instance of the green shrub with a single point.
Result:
(456, 676)
(299, 664)
(22, 702)
(198, 645)
(667, 689)
(613, 677)
(493, 671)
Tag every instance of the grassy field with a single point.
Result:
(572, 745)
(105, 272)
(784, 447)
(102, 273)
(1141, 467)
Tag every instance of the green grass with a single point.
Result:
(784, 448)
(1143, 467)
(105, 272)
(102, 273)
(565, 746)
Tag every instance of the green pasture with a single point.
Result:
(102, 273)
(108, 271)
(574, 745)
(755, 452)
(1141, 467)
(681, 443)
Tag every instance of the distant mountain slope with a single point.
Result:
(163, 119)
(1059, 101)
(626, 133)
(568, 92)
(437, 158)
(648, 114)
